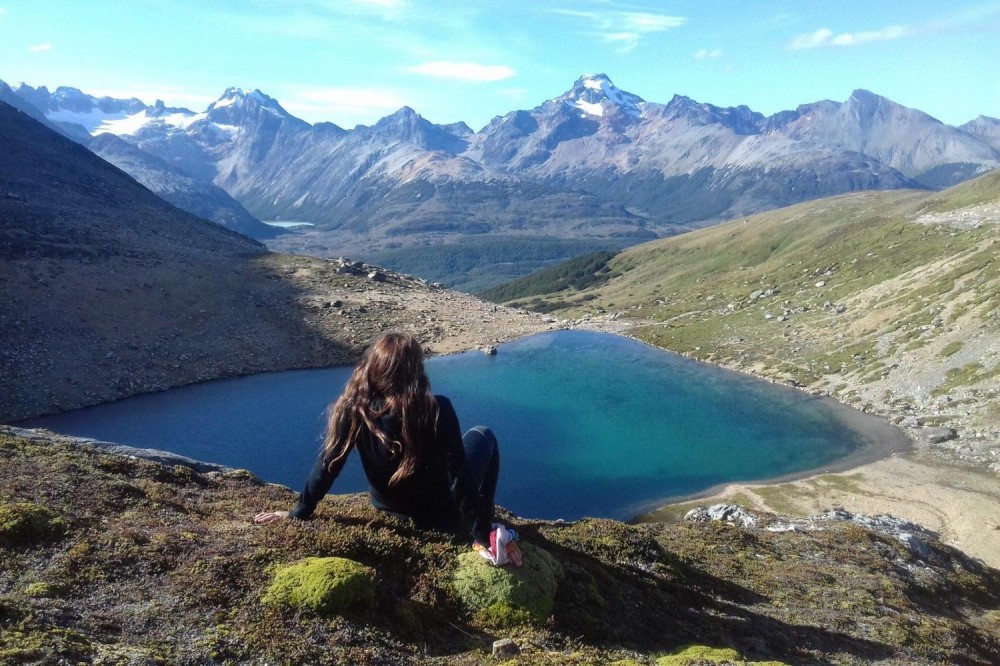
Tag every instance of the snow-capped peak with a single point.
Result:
(593, 93)
(235, 102)
(242, 96)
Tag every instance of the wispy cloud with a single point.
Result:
(345, 105)
(39, 48)
(777, 22)
(463, 71)
(624, 29)
(704, 54)
(826, 37)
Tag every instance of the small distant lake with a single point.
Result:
(289, 224)
(588, 423)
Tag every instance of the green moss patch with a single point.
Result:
(699, 654)
(52, 646)
(26, 524)
(323, 585)
(951, 349)
(505, 596)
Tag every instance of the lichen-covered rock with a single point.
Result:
(26, 523)
(504, 596)
(323, 585)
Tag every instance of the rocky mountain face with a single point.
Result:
(986, 128)
(596, 162)
(198, 197)
(78, 116)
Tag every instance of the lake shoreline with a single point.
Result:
(880, 440)
(956, 499)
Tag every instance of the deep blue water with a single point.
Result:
(588, 423)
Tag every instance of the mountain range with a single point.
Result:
(595, 163)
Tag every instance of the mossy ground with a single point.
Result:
(159, 565)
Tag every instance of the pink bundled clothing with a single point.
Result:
(503, 548)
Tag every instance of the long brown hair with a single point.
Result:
(390, 378)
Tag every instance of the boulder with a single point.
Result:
(505, 649)
(938, 435)
(323, 585)
(504, 596)
(729, 513)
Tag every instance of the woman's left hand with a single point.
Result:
(270, 517)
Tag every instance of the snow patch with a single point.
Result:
(590, 109)
(91, 119)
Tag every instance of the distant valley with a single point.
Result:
(594, 168)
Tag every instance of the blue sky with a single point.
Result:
(354, 61)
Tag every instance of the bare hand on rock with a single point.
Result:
(270, 517)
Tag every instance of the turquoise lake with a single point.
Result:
(588, 423)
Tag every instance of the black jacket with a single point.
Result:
(440, 493)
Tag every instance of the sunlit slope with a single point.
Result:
(897, 291)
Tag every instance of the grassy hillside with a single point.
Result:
(154, 564)
(888, 300)
(578, 273)
(477, 264)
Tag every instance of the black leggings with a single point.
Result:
(483, 454)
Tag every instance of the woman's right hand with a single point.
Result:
(270, 517)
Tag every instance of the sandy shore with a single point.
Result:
(961, 505)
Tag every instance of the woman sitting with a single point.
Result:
(418, 463)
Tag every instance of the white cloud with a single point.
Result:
(39, 48)
(646, 22)
(344, 106)
(703, 54)
(463, 71)
(625, 29)
(811, 40)
(883, 35)
(826, 37)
